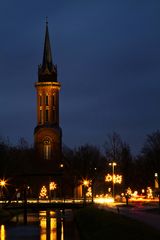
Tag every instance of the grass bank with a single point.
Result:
(95, 224)
(5, 215)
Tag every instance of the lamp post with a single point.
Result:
(156, 184)
(113, 164)
(85, 185)
(2, 185)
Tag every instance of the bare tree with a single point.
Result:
(150, 157)
(113, 147)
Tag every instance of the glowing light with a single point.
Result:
(62, 230)
(143, 191)
(89, 192)
(52, 186)
(129, 191)
(103, 199)
(43, 192)
(2, 232)
(61, 165)
(149, 192)
(134, 196)
(108, 178)
(3, 183)
(53, 226)
(114, 178)
(48, 230)
(156, 183)
(113, 164)
(43, 225)
(118, 179)
(86, 182)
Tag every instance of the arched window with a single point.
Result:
(47, 149)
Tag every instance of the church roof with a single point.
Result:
(47, 72)
(47, 54)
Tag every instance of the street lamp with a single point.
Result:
(85, 185)
(61, 165)
(86, 182)
(2, 185)
(113, 164)
(156, 184)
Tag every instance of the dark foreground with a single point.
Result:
(94, 223)
(45, 224)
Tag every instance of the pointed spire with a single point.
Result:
(47, 54)
(47, 71)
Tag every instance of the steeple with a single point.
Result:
(47, 72)
(47, 133)
(47, 54)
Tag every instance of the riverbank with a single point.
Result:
(94, 223)
(5, 215)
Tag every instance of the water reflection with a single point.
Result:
(62, 229)
(47, 224)
(2, 233)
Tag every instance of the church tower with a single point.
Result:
(47, 133)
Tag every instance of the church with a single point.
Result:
(48, 133)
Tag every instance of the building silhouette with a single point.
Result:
(47, 133)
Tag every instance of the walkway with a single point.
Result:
(139, 214)
(143, 216)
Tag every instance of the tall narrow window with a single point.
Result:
(40, 100)
(46, 100)
(40, 116)
(53, 100)
(47, 150)
(46, 115)
(53, 115)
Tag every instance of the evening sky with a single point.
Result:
(108, 58)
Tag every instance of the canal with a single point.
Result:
(42, 225)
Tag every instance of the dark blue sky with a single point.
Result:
(108, 57)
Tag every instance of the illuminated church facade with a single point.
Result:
(48, 133)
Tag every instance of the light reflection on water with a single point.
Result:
(62, 229)
(3, 233)
(47, 225)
